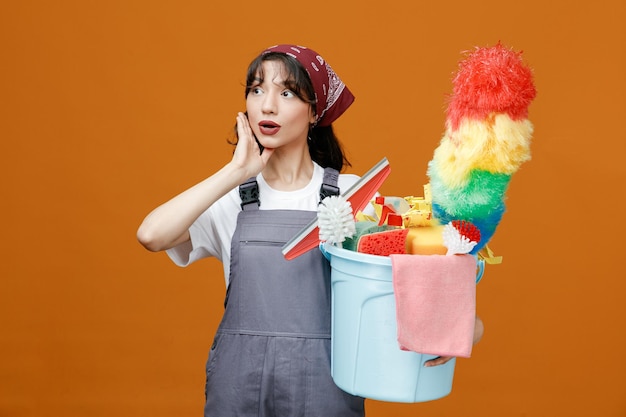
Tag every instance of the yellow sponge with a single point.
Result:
(426, 241)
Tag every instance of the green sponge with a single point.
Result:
(363, 228)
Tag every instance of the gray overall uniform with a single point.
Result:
(271, 353)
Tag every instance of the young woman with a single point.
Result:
(271, 353)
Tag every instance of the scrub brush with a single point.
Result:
(460, 237)
(335, 220)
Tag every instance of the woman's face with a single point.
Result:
(277, 116)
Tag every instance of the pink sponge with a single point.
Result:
(383, 243)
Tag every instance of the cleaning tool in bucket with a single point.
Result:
(366, 358)
(486, 140)
(359, 195)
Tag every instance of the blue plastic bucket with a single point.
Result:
(366, 359)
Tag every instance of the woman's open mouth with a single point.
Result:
(269, 128)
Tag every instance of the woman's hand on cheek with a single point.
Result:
(248, 154)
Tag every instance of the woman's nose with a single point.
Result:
(269, 104)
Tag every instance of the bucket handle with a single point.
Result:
(480, 269)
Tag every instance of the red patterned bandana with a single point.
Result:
(332, 95)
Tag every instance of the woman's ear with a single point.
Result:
(312, 117)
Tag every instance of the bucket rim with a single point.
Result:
(333, 250)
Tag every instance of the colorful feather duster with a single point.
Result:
(486, 140)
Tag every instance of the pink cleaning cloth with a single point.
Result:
(435, 303)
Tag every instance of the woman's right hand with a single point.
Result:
(248, 154)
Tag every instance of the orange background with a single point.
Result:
(110, 108)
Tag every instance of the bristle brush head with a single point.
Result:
(467, 229)
(335, 220)
(460, 237)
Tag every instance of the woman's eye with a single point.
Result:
(256, 90)
(288, 93)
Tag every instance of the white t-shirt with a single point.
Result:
(212, 232)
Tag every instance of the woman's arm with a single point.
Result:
(168, 225)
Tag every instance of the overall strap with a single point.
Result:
(329, 183)
(249, 193)
(249, 190)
